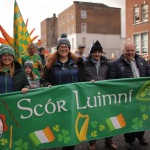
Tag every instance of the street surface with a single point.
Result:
(118, 140)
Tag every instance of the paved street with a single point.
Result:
(119, 140)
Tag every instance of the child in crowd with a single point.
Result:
(32, 78)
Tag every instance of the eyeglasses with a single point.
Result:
(65, 47)
(7, 55)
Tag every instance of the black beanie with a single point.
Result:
(96, 47)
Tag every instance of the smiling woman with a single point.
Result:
(12, 76)
(63, 67)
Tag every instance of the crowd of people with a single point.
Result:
(64, 67)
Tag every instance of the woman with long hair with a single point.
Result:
(12, 75)
(31, 76)
(63, 67)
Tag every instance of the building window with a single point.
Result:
(83, 13)
(144, 42)
(136, 15)
(84, 41)
(72, 41)
(137, 42)
(83, 28)
(141, 41)
(145, 12)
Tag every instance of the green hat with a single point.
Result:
(6, 49)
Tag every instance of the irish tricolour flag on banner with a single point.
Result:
(116, 122)
(41, 136)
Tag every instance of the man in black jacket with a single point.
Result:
(130, 65)
(95, 69)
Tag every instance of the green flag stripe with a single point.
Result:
(109, 124)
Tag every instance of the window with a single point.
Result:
(72, 41)
(83, 28)
(145, 12)
(141, 41)
(137, 42)
(83, 13)
(136, 15)
(84, 41)
(144, 42)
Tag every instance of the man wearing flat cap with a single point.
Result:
(80, 51)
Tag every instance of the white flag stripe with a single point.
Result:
(41, 136)
(1, 126)
(115, 122)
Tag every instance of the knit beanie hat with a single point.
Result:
(6, 49)
(63, 40)
(96, 47)
(28, 63)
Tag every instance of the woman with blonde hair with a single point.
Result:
(12, 75)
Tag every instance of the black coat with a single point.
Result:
(53, 76)
(90, 72)
(120, 68)
(19, 80)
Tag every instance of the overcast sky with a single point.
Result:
(38, 10)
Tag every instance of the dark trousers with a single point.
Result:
(108, 140)
(68, 148)
(130, 137)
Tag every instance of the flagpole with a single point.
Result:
(9, 111)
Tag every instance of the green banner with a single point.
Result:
(70, 114)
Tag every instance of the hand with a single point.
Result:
(93, 81)
(24, 90)
(40, 64)
(32, 86)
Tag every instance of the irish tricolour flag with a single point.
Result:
(116, 122)
(41, 136)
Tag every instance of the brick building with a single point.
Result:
(86, 22)
(49, 32)
(138, 24)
